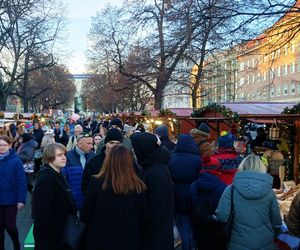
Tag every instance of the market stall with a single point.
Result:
(234, 116)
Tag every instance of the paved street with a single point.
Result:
(24, 222)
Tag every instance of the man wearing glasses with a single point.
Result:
(76, 162)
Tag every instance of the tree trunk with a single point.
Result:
(25, 105)
(194, 98)
(158, 95)
(3, 99)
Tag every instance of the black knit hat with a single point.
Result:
(113, 134)
(117, 122)
(26, 137)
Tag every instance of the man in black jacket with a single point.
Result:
(93, 167)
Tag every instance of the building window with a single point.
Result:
(272, 92)
(253, 78)
(285, 49)
(242, 66)
(265, 75)
(272, 73)
(248, 79)
(258, 77)
(292, 68)
(242, 81)
(278, 71)
(278, 53)
(264, 96)
(293, 48)
(285, 89)
(248, 64)
(292, 88)
(278, 90)
(285, 69)
(298, 66)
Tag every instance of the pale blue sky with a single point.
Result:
(79, 14)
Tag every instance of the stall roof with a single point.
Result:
(258, 108)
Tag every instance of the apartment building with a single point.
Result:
(264, 69)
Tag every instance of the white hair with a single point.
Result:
(78, 126)
(252, 163)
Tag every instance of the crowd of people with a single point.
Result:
(131, 188)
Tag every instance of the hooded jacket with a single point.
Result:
(158, 231)
(204, 195)
(26, 151)
(184, 167)
(12, 180)
(256, 209)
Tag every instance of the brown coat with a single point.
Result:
(293, 217)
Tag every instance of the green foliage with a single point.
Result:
(166, 112)
(294, 110)
(218, 108)
(145, 113)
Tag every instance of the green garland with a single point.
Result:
(166, 112)
(219, 108)
(294, 110)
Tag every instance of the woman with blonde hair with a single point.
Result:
(256, 213)
(114, 206)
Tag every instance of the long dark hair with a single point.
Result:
(118, 169)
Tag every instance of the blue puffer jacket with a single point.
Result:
(12, 180)
(185, 165)
(73, 173)
(256, 211)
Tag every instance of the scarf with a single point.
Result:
(82, 156)
(2, 156)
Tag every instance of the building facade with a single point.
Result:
(264, 69)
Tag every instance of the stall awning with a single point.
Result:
(258, 108)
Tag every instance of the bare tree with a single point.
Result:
(51, 87)
(33, 33)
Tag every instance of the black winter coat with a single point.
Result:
(113, 221)
(38, 135)
(63, 139)
(52, 202)
(92, 167)
(158, 233)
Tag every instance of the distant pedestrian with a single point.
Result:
(60, 135)
(163, 134)
(73, 139)
(12, 191)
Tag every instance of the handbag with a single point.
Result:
(73, 232)
(227, 226)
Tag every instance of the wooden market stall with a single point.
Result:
(226, 116)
